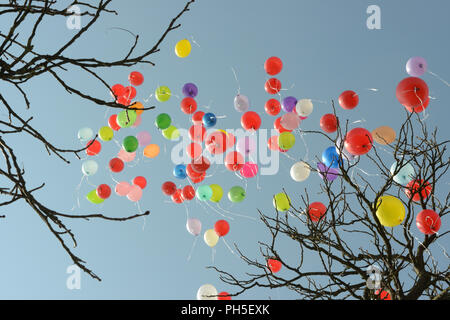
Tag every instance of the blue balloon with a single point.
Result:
(180, 171)
(209, 120)
(331, 158)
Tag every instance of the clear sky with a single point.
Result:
(326, 49)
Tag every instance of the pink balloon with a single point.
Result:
(126, 156)
(137, 122)
(290, 121)
(144, 138)
(135, 193)
(122, 188)
(194, 226)
(249, 170)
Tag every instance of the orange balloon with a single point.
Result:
(384, 135)
(151, 151)
(139, 107)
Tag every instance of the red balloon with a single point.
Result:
(112, 122)
(130, 92)
(94, 148)
(348, 99)
(231, 140)
(197, 117)
(419, 108)
(250, 121)
(383, 295)
(418, 189)
(191, 173)
(136, 78)
(277, 125)
(123, 101)
(358, 141)
(328, 123)
(188, 105)
(116, 165)
(168, 188)
(200, 164)
(117, 90)
(197, 133)
(194, 150)
(222, 228)
(140, 181)
(316, 211)
(234, 161)
(199, 178)
(428, 221)
(188, 193)
(177, 197)
(223, 296)
(216, 142)
(273, 145)
(103, 191)
(274, 265)
(273, 65)
(412, 92)
(272, 107)
(272, 86)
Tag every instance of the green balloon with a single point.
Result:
(286, 140)
(281, 202)
(126, 118)
(217, 192)
(163, 121)
(106, 133)
(171, 133)
(130, 144)
(204, 193)
(236, 194)
(93, 197)
(162, 93)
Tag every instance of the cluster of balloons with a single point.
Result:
(209, 292)
(212, 236)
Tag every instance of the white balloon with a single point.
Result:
(241, 103)
(207, 292)
(89, 167)
(304, 107)
(194, 226)
(84, 134)
(300, 171)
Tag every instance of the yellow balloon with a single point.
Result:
(281, 202)
(391, 211)
(217, 192)
(151, 151)
(183, 48)
(211, 238)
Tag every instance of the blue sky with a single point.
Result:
(326, 49)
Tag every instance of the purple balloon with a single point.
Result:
(144, 138)
(289, 104)
(190, 90)
(194, 226)
(246, 145)
(241, 103)
(325, 172)
(416, 66)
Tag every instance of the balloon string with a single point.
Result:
(112, 178)
(288, 156)
(192, 248)
(425, 115)
(229, 248)
(147, 100)
(235, 214)
(194, 42)
(319, 101)
(437, 76)
(426, 249)
(140, 211)
(90, 183)
(305, 158)
(213, 254)
(214, 209)
(359, 121)
(367, 174)
(237, 81)
(187, 211)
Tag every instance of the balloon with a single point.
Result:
(383, 294)
(183, 48)
(138, 107)
(347, 155)
(151, 151)
(250, 121)
(241, 103)
(326, 172)
(273, 65)
(331, 158)
(272, 107)
(199, 178)
(428, 222)
(300, 171)
(246, 145)
(197, 117)
(420, 107)
(191, 173)
(404, 175)
(194, 150)
(140, 181)
(163, 121)
(117, 90)
(234, 161)
(177, 197)
(383, 135)
(290, 121)
(123, 101)
(194, 226)
(418, 189)
(130, 144)
(274, 265)
(223, 296)
(286, 140)
(277, 125)
(188, 193)
(416, 66)
(188, 105)
(316, 211)
(358, 141)
(304, 107)
(216, 142)
(84, 134)
(289, 103)
(221, 227)
(122, 188)
(231, 140)
(204, 193)
(135, 193)
(162, 94)
(126, 156)
(197, 133)
(136, 78)
(171, 133)
(180, 171)
(272, 144)
(209, 120)
(190, 90)
(103, 191)
(200, 164)
(116, 165)
(272, 86)
(168, 188)
(93, 147)
(412, 92)
(348, 99)
(129, 93)
(126, 118)
(236, 194)
(207, 292)
(93, 197)
(390, 211)
(211, 237)
(143, 138)
(249, 170)
(217, 192)
(112, 122)
(89, 167)
(281, 202)
(328, 123)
